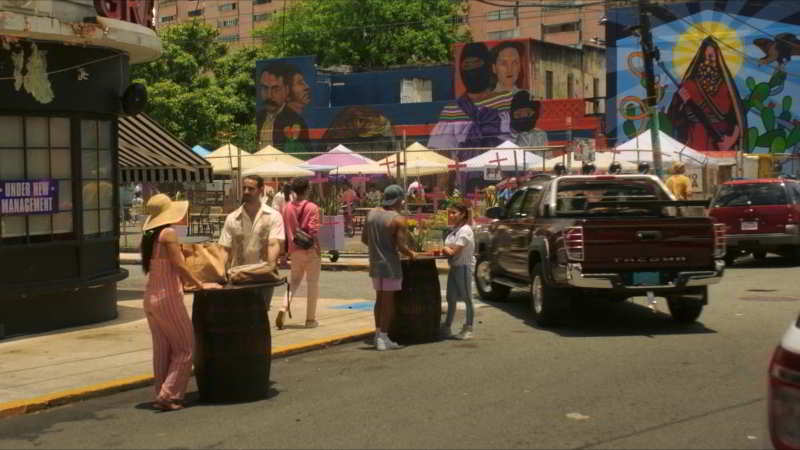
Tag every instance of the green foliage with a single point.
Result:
(777, 79)
(751, 138)
(760, 93)
(367, 33)
(198, 91)
(765, 140)
(751, 83)
(794, 137)
(768, 117)
(629, 128)
(664, 124)
(787, 104)
(778, 145)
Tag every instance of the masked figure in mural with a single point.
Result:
(706, 112)
(507, 66)
(480, 117)
(290, 132)
(524, 114)
(273, 94)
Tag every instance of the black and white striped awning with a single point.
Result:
(150, 154)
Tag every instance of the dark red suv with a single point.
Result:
(760, 215)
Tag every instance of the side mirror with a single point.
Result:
(496, 212)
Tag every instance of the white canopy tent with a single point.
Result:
(640, 148)
(512, 159)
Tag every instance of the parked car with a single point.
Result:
(607, 236)
(784, 391)
(760, 216)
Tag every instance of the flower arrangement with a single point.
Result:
(419, 234)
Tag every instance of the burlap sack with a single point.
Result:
(205, 261)
(254, 273)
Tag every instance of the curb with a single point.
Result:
(27, 406)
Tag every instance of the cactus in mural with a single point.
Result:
(781, 131)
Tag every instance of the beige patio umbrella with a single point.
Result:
(419, 161)
(225, 158)
(277, 169)
(270, 153)
(361, 169)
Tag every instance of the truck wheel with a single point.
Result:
(687, 308)
(546, 307)
(487, 289)
(729, 260)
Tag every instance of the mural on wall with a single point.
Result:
(283, 95)
(493, 103)
(726, 79)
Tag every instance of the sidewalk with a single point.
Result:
(62, 366)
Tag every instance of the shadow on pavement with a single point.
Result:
(771, 262)
(192, 400)
(604, 318)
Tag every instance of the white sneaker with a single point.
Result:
(392, 345)
(465, 334)
(381, 344)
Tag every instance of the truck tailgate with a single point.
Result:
(648, 243)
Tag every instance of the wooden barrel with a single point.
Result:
(232, 343)
(418, 306)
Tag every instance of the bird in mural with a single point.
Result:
(781, 49)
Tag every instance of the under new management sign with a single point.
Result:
(28, 197)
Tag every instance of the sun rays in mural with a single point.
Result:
(688, 43)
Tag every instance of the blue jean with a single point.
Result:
(459, 287)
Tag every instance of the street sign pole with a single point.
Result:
(649, 52)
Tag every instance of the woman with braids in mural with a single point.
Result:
(480, 117)
(706, 112)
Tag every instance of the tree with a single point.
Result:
(184, 94)
(367, 33)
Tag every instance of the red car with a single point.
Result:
(784, 391)
(760, 215)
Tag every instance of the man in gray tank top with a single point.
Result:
(385, 234)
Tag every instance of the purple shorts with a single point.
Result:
(387, 284)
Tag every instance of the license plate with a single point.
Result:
(749, 226)
(646, 278)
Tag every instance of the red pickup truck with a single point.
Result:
(613, 236)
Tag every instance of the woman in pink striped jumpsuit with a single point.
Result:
(170, 326)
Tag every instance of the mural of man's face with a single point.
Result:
(506, 67)
(299, 92)
(273, 91)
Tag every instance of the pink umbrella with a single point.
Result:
(339, 156)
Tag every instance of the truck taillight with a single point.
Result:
(784, 399)
(719, 240)
(573, 241)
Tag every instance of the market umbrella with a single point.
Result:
(225, 158)
(363, 169)
(339, 156)
(278, 169)
(270, 153)
(200, 150)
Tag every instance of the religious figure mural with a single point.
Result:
(725, 80)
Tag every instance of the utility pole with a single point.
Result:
(516, 19)
(649, 53)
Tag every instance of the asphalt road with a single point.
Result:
(618, 376)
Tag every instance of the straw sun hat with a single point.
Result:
(163, 211)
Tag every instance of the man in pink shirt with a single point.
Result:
(305, 263)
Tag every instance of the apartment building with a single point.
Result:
(564, 22)
(235, 19)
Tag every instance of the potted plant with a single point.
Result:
(331, 231)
